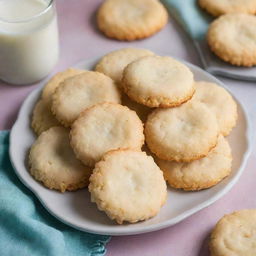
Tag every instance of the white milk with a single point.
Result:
(29, 46)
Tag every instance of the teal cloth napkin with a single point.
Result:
(195, 23)
(27, 229)
(194, 20)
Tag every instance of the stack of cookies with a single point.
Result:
(87, 137)
(232, 36)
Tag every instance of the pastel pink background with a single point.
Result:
(79, 40)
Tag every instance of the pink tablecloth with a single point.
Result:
(81, 40)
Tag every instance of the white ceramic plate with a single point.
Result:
(75, 208)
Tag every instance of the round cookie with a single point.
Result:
(128, 186)
(54, 82)
(232, 37)
(77, 93)
(105, 127)
(234, 234)
(42, 117)
(202, 173)
(131, 19)
(220, 7)
(114, 62)
(53, 162)
(182, 134)
(220, 102)
(157, 81)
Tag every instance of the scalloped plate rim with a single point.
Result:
(153, 227)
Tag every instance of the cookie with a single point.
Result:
(114, 62)
(105, 127)
(77, 93)
(202, 173)
(131, 19)
(182, 134)
(53, 162)
(220, 7)
(232, 37)
(234, 234)
(54, 82)
(141, 110)
(157, 81)
(128, 186)
(42, 117)
(220, 102)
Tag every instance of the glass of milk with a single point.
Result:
(29, 44)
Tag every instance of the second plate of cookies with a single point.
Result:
(162, 139)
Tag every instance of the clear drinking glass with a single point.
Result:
(29, 42)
